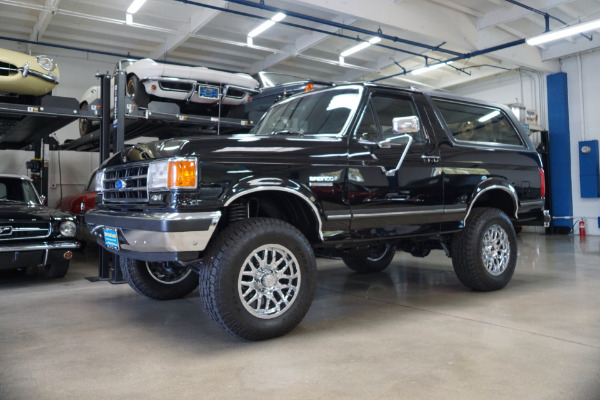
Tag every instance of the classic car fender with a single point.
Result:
(492, 184)
(25, 75)
(247, 187)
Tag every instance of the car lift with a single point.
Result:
(23, 126)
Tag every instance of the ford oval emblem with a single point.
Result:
(120, 184)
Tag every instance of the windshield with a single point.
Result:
(325, 112)
(18, 190)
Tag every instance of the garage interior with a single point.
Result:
(412, 331)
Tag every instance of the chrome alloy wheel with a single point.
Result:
(165, 274)
(269, 281)
(495, 252)
(377, 253)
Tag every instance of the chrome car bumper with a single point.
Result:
(40, 246)
(155, 237)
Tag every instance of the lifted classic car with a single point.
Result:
(22, 74)
(32, 234)
(358, 171)
(199, 90)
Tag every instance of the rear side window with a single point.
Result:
(472, 123)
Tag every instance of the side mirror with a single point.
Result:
(404, 125)
(403, 128)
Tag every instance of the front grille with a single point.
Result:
(25, 230)
(7, 69)
(126, 184)
(176, 86)
(235, 93)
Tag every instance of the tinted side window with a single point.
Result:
(471, 123)
(377, 121)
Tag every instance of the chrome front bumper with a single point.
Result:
(150, 235)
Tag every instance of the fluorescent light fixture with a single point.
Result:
(342, 61)
(135, 6)
(266, 25)
(563, 32)
(129, 19)
(411, 81)
(249, 41)
(429, 68)
(489, 116)
(360, 46)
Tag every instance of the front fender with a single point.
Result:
(249, 186)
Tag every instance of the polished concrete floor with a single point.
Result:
(412, 332)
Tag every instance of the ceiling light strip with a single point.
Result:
(563, 32)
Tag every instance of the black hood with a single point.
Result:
(18, 211)
(232, 148)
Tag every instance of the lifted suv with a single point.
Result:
(357, 171)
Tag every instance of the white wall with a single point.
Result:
(584, 117)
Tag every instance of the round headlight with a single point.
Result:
(68, 228)
(46, 63)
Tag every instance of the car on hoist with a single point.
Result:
(22, 74)
(197, 90)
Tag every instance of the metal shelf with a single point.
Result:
(161, 121)
(24, 124)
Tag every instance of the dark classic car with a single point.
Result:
(32, 234)
(356, 171)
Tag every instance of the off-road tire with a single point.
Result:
(159, 281)
(484, 253)
(378, 259)
(245, 265)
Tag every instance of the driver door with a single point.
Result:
(393, 187)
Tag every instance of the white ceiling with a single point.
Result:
(190, 33)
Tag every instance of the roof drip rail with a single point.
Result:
(546, 16)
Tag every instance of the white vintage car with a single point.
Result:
(147, 79)
(22, 74)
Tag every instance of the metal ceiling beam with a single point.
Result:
(515, 12)
(330, 23)
(198, 20)
(44, 19)
(300, 45)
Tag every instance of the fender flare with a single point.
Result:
(243, 188)
(494, 184)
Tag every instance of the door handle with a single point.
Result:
(430, 159)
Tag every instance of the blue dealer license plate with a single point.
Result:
(111, 239)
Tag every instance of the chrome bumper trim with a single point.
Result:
(41, 246)
(172, 232)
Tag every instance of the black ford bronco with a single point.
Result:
(357, 171)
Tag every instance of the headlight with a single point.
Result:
(68, 228)
(99, 178)
(174, 173)
(46, 63)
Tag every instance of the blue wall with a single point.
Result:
(560, 149)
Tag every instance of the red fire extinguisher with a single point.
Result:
(582, 229)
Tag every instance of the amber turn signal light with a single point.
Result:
(182, 174)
